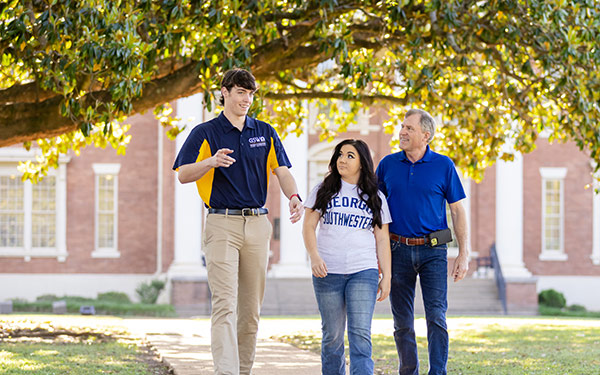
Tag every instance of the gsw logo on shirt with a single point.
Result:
(257, 142)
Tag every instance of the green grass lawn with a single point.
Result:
(71, 358)
(497, 345)
(478, 345)
(42, 348)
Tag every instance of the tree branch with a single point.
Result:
(366, 99)
(31, 93)
(26, 93)
(20, 122)
(305, 56)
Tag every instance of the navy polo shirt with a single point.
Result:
(257, 151)
(417, 192)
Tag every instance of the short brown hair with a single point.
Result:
(238, 77)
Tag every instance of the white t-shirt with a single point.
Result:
(345, 239)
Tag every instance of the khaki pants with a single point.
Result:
(237, 252)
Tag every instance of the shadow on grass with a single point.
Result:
(498, 349)
(507, 351)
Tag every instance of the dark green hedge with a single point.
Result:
(552, 298)
(101, 307)
(555, 311)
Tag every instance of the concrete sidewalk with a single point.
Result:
(191, 356)
(185, 345)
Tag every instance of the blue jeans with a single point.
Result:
(352, 296)
(431, 264)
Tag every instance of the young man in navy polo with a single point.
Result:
(418, 182)
(231, 158)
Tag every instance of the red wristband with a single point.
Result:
(295, 195)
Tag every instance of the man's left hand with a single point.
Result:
(296, 209)
(461, 266)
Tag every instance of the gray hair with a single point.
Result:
(426, 121)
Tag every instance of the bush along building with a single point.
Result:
(102, 222)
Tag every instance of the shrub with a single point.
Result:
(77, 299)
(552, 298)
(554, 311)
(148, 292)
(53, 298)
(20, 305)
(138, 309)
(47, 297)
(576, 308)
(101, 307)
(118, 297)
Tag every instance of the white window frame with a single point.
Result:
(9, 159)
(319, 155)
(549, 174)
(103, 169)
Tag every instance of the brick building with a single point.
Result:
(97, 223)
(103, 222)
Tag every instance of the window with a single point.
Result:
(32, 216)
(27, 212)
(43, 213)
(12, 211)
(106, 218)
(318, 162)
(553, 214)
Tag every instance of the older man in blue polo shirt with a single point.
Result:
(231, 158)
(418, 182)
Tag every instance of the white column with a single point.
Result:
(61, 211)
(187, 262)
(596, 223)
(293, 260)
(509, 217)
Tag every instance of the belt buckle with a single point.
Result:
(406, 241)
(249, 211)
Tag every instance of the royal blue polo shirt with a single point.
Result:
(257, 151)
(417, 192)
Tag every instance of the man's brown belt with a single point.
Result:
(409, 241)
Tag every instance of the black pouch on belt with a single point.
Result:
(440, 237)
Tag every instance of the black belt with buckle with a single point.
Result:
(239, 211)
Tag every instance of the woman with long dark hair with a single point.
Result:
(350, 257)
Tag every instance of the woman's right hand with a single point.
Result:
(318, 266)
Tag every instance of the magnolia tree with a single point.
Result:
(496, 73)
